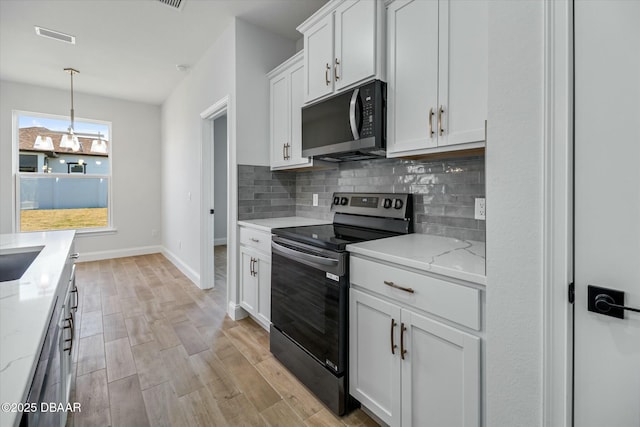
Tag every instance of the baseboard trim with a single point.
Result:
(220, 241)
(182, 266)
(119, 253)
(236, 312)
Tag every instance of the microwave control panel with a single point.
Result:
(368, 98)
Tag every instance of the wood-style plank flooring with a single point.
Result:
(155, 350)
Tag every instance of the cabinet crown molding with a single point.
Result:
(286, 64)
(320, 14)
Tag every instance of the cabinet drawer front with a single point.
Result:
(255, 239)
(448, 300)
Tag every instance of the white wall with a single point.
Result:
(209, 80)
(136, 164)
(514, 214)
(236, 65)
(257, 53)
(220, 179)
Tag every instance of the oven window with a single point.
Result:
(309, 307)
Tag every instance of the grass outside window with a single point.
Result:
(62, 219)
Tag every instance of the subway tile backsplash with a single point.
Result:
(444, 191)
(265, 194)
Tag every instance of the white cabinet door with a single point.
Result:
(374, 369)
(263, 270)
(412, 70)
(296, 99)
(318, 44)
(248, 281)
(355, 42)
(280, 119)
(463, 74)
(440, 375)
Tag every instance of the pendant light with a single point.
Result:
(99, 146)
(70, 140)
(43, 143)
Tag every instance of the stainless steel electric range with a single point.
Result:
(310, 283)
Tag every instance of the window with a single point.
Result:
(62, 182)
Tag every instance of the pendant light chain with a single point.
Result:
(72, 71)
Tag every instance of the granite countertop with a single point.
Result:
(26, 305)
(268, 224)
(460, 259)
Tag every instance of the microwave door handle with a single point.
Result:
(315, 260)
(352, 115)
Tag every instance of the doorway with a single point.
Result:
(215, 194)
(220, 200)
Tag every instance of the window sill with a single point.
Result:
(96, 232)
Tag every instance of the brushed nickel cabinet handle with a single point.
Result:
(335, 70)
(284, 156)
(440, 113)
(393, 285)
(326, 75)
(286, 150)
(431, 122)
(402, 350)
(393, 344)
(253, 239)
(74, 256)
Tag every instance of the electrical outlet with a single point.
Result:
(154, 232)
(315, 200)
(481, 208)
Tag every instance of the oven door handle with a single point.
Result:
(318, 261)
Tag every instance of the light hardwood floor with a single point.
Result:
(156, 350)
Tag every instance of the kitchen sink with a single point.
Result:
(14, 262)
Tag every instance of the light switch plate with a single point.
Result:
(315, 200)
(480, 208)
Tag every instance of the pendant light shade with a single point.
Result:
(43, 143)
(99, 146)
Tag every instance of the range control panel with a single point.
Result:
(390, 205)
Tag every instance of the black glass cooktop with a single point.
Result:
(330, 236)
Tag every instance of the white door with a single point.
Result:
(440, 374)
(296, 99)
(412, 70)
(463, 73)
(355, 42)
(263, 274)
(318, 59)
(248, 281)
(607, 210)
(374, 366)
(279, 119)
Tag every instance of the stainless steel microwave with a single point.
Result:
(348, 126)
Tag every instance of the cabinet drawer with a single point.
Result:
(253, 238)
(451, 301)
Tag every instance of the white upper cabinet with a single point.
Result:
(286, 87)
(437, 76)
(318, 46)
(343, 45)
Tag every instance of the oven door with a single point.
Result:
(309, 291)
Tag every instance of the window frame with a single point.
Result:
(16, 174)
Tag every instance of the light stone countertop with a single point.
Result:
(460, 259)
(268, 224)
(26, 305)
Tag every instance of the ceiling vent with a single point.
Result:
(174, 4)
(56, 35)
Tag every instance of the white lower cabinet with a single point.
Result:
(255, 275)
(410, 370)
